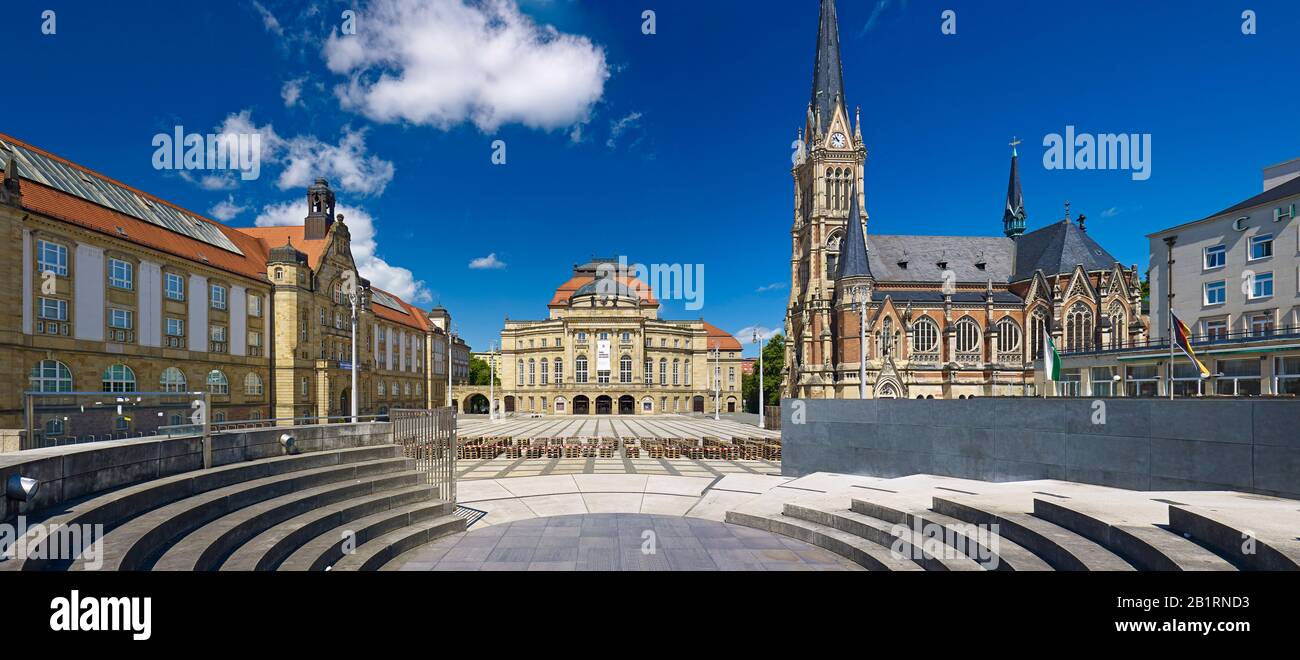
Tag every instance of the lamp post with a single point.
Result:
(717, 382)
(860, 298)
(451, 341)
(492, 381)
(761, 425)
(356, 298)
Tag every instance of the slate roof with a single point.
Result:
(1058, 248)
(828, 71)
(962, 254)
(1287, 189)
(854, 259)
(928, 296)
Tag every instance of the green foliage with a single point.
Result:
(773, 361)
(480, 372)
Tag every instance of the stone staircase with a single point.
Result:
(945, 530)
(352, 508)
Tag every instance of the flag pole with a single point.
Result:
(1169, 281)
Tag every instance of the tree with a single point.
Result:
(480, 372)
(773, 361)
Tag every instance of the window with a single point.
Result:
(1261, 247)
(279, 274)
(1261, 325)
(54, 427)
(968, 336)
(885, 338)
(625, 369)
(52, 257)
(602, 377)
(627, 337)
(649, 372)
(688, 372)
(676, 373)
(217, 383)
(1008, 336)
(121, 274)
(217, 296)
(175, 286)
(580, 369)
(1261, 286)
(1239, 378)
(546, 375)
(925, 336)
(1187, 379)
(118, 378)
(663, 371)
(1216, 257)
(1216, 329)
(604, 336)
(1103, 381)
(520, 373)
(1069, 383)
(50, 376)
(559, 370)
(382, 389)
(217, 334)
(559, 405)
(122, 319)
(53, 309)
(172, 380)
(254, 306)
(1037, 324)
(532, 372)
(1078, 328)
(1287, 370)
(1142, 380)
(1216, 293)
(305, 386)
(647, 405)
(175, 327)
(582, 336)
(253, 384)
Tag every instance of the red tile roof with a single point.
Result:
(274, 237)
(721, 339)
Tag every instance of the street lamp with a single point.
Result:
(761, 425)
(492, 381)
(859, 296)
(356, 298)
(717, 382)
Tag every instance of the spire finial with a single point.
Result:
(1014, 141)
(1067, 210)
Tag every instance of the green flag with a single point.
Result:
(1051, 358)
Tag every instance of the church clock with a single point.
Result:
(838, 141)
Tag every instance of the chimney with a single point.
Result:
(1276, 175)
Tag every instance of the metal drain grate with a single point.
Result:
(471, 516)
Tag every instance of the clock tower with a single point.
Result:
(828, 171)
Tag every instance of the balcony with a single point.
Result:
(1206, 340)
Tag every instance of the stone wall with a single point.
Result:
(1143, 444)
(74, 471)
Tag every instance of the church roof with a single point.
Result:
(854, 258)
(828, 72)
(932, 296)
(1058, 248)
(927, 257)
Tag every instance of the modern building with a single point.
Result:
(946, 316)
(604, 350)
(1236, 287)
(120, 291)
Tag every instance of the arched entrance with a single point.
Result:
(604, 405)
(510, 404)
(581, 405)
(731, 405)
(626, 405)
(476, 404)
(345, 402)
(697, 404)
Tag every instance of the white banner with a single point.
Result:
(602, 355)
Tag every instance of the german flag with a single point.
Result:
(1182, 336)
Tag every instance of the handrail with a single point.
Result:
(1285, 332)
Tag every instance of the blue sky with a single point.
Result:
(683, 151)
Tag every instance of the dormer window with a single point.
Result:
(943, 265)
(903, 265)
(980, 265)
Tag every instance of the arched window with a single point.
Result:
(217, 383)
(1078, 328)
(1037, 326)
(172, 380)
(50, 376)
(1008, 336)
(663, 371)
(830, 188)
(520, 371)
(279, 274)
(1118, 325)
(559, 371)
(580, 369)
(887, 338)
(968, 337)
(532, 372)
(625, 369)
(833, 252)
(925, 336)
(119, 378)
(253, 384)
(546, 375)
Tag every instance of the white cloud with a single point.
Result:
(291, 92)
(489, 262)
(444, 62)
(746, 334)
(365, 249)
(619, 127)
(227, 209)
(306, 157)
(775, 286)
(269, 21)
(1110, 212)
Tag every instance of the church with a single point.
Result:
(942, 317)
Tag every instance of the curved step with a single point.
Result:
(378, 551)
(115, 507)
(206, 548)
(267, 550)
(989, 548)
(1215, 530)
(901, 541)
(327, 548)
(1149, 548)
(856, 549)
(1063, 549)
(132, 546)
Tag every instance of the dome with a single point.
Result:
(605, 288)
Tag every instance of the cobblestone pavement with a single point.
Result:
(621, 542)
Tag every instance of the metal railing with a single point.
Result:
(1235, 337)
(429, 437)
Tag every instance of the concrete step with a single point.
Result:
(378, 551)
(267, 550)
(1063, 549)
(326, 549)
(134, 546)
(899, 540)
(207, 547)
(987, 548)
(1147, 547)
(865, 553)
(115, 507)
(1243, 546)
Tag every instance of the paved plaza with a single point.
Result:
(622, 542)
(633, 426)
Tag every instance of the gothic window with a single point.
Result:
(580, 369)
(833, 252)
(830, 187)
(1078, 327)
(925, 336)
(968, 336)
(1008, 336)
(886, 341)
(1037, 324)
(1118, 325)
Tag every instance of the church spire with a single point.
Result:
(1014, 215)
(854, 260)
(828, 72)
